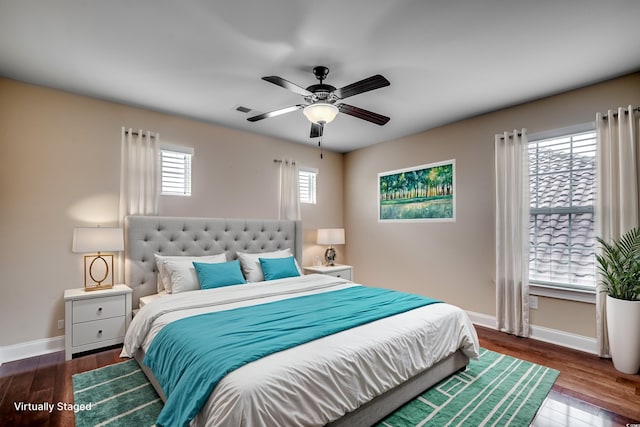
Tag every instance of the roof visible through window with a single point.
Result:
(562, 198)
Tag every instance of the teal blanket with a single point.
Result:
(190, 356)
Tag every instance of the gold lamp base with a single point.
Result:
(98, 272)
(97, 288)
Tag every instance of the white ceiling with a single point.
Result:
(446, 60)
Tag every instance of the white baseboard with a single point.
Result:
(31, 349)
(565, 339)
(540, 333)
(482, 319)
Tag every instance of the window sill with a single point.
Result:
(560, 293)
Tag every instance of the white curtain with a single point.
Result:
(140, 175)
(289, 191)
(617, 183)
(512, 232)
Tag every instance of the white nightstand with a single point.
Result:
(338, 270)
(95, 319)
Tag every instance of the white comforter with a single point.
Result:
(317, 382)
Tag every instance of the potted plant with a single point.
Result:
(619, 264)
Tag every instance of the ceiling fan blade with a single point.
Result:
(276, 112)
(363, 114)
(287, 85)
(316, 130)
(371, 83)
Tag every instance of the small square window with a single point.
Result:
(176, 171)
(307, 184)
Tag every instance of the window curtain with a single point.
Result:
(289, 191)
(617, 183)
(140, 176)
(512, 227)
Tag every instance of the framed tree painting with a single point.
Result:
(420, 193)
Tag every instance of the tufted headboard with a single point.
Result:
(148, 235)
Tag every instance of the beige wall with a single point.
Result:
(454, 261)
(59, 168)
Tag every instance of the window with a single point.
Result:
(307, 184)
(176, 170)
(562, 197)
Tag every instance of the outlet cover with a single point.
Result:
(533, 302)
(61, 324)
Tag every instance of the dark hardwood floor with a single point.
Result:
(45, 378)
(588, 392)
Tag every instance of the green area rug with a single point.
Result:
(495, 390)
(119, 395)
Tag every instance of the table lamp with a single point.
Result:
(98, 267)
(330, 236)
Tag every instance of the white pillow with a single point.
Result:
(251, 264)
(164, 278)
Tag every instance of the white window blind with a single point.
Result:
(307, 184)
(561, 226)
(176, 170)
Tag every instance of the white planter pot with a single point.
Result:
(623, 327)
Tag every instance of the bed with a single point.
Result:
(353, 377)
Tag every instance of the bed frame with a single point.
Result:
(148, 235)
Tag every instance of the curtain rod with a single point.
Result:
(510, 136)
(280, 161)
(635, 110)
(134, 133)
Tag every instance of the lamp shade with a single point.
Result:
(320, 112)
(97, 239)
(331, 236)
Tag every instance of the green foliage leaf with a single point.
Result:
(619, 264)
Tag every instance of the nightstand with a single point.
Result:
(95, 319)
(338, 270)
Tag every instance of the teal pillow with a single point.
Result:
(219, 274)
(278, 268)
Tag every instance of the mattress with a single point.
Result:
(320, 381)
(147, 299)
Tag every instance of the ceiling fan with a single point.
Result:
(322, 100)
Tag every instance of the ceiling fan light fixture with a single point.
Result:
(320, 112)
